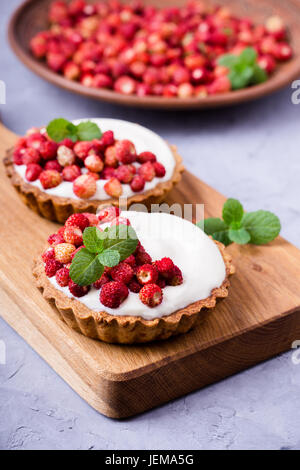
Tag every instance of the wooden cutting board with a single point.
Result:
(259, 319)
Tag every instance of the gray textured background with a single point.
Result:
(250, 152)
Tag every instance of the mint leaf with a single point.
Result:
(240, 236)
(232, 212)
(248, 56)
(60, 129)
(85, 268)
(88, 131)
(213, 225)
(263, 226)
(92, 239)
(109, 258)
(228, 60)
(121, 238)
(259, 75)
(222, 237)
(241, 76)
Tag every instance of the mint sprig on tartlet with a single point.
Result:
(60, 129)
(102, 249)
(236, 226)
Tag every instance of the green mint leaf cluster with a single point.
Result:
(60, 129)
(236, 226)
(102, 249)
(243, 69)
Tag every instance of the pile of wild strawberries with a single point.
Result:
(83, 163)
(142, 50)
(137, 274)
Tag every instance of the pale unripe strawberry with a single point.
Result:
(113, 187)
(94, 163)
(63, 252)
(65, 156)
(85, 186)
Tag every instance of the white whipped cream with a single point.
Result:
(144, 140)
(165, 235)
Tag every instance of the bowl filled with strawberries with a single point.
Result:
(70, 167)
(177, 54)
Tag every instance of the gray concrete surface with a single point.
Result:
(250, 152)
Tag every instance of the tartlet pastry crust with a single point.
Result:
(58, 208)
(128, 329)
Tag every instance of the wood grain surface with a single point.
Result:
(260, 318)
(31, 17)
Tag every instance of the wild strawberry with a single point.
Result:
(122, 273)
(185, 90)
(48, 254)
(68, 143)
(63, 252)
(31, 155)
(70, 173)
(102, 81)
(51, 267)
(50, 179)
(108, 138)
(161, 282)
(53, 165)
(104, 279)
(35, 140)
(18, 156)
(56, 61)
(165, 267)
(176, 279)
(134, 286)
(147, 171)
(130, 260)
(73, 235)
(94, 163)
(93, 219)
(124, 174)
(82, 149)
(56, 239)
(33, 172)
(282, 51)
(125, 85)
(145, 157)
(48, 150)
(113, 294)
(62, 277)
(219, 85)
(120, 221)
(267, 63)
(142, 257)
(76, 290)
(142, 89)
(71, 71)
(113, 187)
(170, 90)
(108, 214)
(110, 156)
(151, 295)
(159, 169)
(65, 156)
(137, 184)
(146, 274)
(108, 173)
(84, 186)
(201, 91)
(125, 151)
(77, 220)
(275, 26)
(181, 75)
(38, 45)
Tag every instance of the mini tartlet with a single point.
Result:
(197, 278)
(59, 202)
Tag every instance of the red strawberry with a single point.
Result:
(33, 172)
(125, 151)
(147, 171)
(53, 165)
(73, 235)
(108, 214)
(113, 294)
(159, 169)
(48, 150)
(176, 279)
(137, 184)
(93, 219)
(49, 254)
(62, 277)
(31, 155)
(107, 138)
(165, 267)
(122, 273)
(130, 260)
(76, 290)
(147, 274)
(104, 279)
(94, 163)
(134, 286)
(70, 173)
(110, 157)
(145, 157)
(151, 295)
(51, 267)
(77, 220)
(50, 179)
(124, 174)
(82, 149)
(55, 239)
